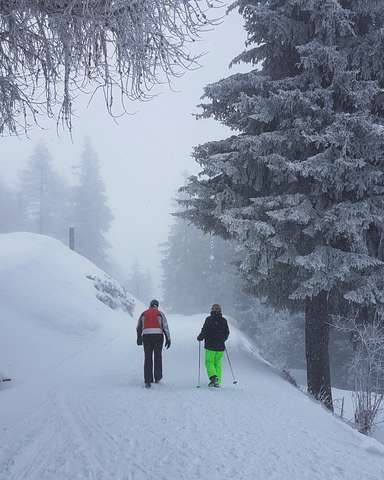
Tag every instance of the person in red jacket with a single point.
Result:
(151, 329)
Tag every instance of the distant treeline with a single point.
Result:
(42, 201)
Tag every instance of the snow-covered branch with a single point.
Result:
(50, 51)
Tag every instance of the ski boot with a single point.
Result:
(213, 381)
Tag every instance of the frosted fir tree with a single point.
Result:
(301, 182)
(198, 270)
(91, 215)
(139, 282)
(44, 196)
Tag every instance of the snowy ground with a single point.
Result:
(343, 405)
(77, 408)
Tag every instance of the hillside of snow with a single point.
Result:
(49, 311)
(77, 409)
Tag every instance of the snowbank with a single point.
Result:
(43, 280)
(77, 407)
(51, 303)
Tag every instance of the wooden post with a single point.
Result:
(72, 238)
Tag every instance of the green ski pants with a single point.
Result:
(213, 363)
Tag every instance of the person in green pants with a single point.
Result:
(215, 333)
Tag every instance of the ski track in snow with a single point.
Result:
(95, 421)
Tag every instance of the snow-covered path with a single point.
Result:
(89, 417)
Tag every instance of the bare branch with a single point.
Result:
(367, 368)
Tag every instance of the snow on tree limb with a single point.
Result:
(50, 51)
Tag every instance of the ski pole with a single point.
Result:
(198, 382)
(230, 366)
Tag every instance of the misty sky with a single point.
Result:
(144, 155)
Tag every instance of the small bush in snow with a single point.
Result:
(368, 370)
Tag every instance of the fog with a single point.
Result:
(144, 154)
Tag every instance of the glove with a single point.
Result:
(167, 343)
(139, 340)
(200, 338)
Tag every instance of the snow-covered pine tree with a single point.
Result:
(198, 270)
(44, 196)
(91, 215)
(301, 185)
(139, 283)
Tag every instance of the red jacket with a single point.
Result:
(152, 321)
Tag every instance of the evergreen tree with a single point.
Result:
(198, 270)
(44, 196)
(139, 283)
(301, 185)
(91, 215)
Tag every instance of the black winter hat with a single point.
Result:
(154, 303)
(216, 308)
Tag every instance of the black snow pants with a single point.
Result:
(153, 366)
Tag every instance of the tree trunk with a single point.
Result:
(316, 349)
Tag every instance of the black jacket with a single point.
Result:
(215, 332)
